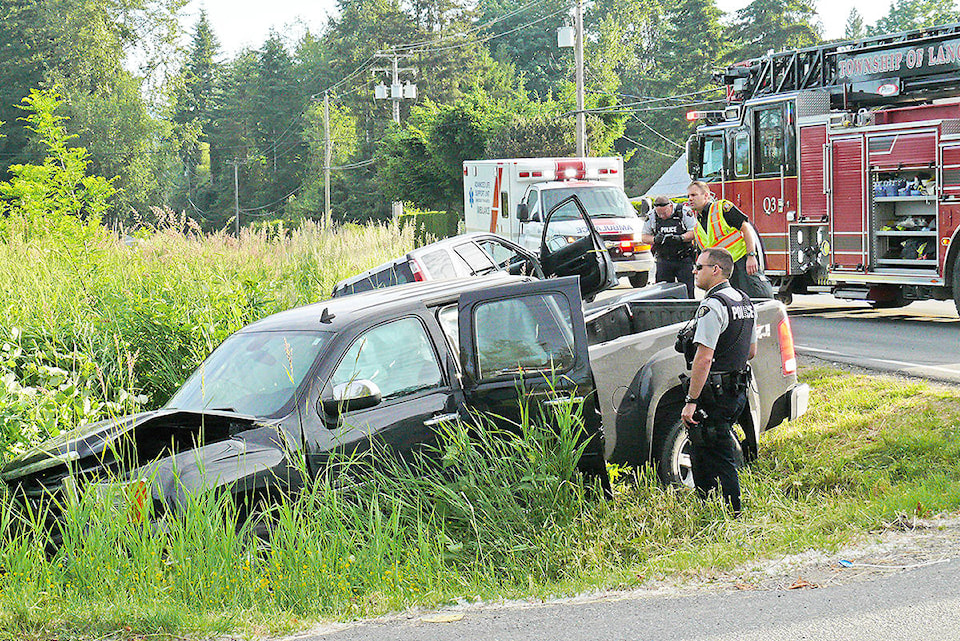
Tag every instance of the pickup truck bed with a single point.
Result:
(636, 371)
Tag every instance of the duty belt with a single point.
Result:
(729, 379)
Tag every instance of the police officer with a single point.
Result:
(721, 224)
(725, 338)
(671, 230)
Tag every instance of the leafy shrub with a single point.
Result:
(429, 226)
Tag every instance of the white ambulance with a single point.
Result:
(510, 197)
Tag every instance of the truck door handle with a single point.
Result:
(563, 400)
(442, 418)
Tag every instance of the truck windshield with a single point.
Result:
(252, 373)
(600, 202)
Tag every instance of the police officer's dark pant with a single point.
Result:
(676, 271)
(756, 286)
(713, 450)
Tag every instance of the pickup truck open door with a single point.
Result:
(526, 344)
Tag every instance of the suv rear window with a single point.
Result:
(438, 264)
(478, 261)
(393, 274)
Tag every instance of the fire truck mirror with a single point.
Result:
(694, 152)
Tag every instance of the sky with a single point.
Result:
(246, 23)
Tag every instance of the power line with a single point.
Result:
(657, 133)
(640, 144)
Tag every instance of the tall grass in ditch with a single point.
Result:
(109, 326)
(485, 513)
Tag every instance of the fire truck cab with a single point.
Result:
(846, 158)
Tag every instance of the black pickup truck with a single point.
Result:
(389, 365)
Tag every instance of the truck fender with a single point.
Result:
(655, 382)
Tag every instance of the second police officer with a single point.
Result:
(671, 231)
(717, 345)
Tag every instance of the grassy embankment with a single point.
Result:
(510, 524)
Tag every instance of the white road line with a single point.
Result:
(904, 364)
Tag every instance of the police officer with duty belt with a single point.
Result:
(671, 230)
(717, 344)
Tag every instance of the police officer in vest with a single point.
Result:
(718, 343)
(721, 224)
(671, 230)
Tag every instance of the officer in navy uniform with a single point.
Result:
(721, 342)
(671, 232)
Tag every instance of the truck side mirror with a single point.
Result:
(354, 395)
(694, 156)
(523, 213)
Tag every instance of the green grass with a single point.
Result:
(512, 522)
(102, 327)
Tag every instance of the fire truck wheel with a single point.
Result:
(639, 279)
(956, 285)
(784, 297)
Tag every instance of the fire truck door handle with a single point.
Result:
(782, 188)
(826, 169)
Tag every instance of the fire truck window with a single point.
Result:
(712, 157)
(741, 154)
(770, 142)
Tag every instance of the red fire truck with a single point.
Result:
(846, 158)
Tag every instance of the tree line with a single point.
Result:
(190, 129)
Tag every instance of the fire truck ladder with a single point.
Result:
(816, 67)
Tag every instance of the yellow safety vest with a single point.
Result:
(719, 234)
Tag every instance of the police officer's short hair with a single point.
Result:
(721, 258)
(700, 185)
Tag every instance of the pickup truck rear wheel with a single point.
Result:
(639, 279)
(673, 457)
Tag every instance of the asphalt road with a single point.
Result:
(921, 339)
(917, 604)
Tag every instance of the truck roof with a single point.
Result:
(336, 313)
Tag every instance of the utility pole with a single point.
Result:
(397, 91)
(236, 196)
(327, 153)
(581, 115)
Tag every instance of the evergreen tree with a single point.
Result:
(905, 15)
(855, 28)
(193, 112)
(774, 25)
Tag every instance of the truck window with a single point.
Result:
(398, 356)
(600, 202)
(741, 154)
(533, 205)
(450, 324)
(712, 157)
(529, 333)
(770, 140)
(507, 259)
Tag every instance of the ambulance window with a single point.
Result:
(741, 154)
(533, 204)
(770, 140)
(712, 157)
(504, 205)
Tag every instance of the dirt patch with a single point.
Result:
(905, 543)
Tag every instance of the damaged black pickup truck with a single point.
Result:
(282, 394)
